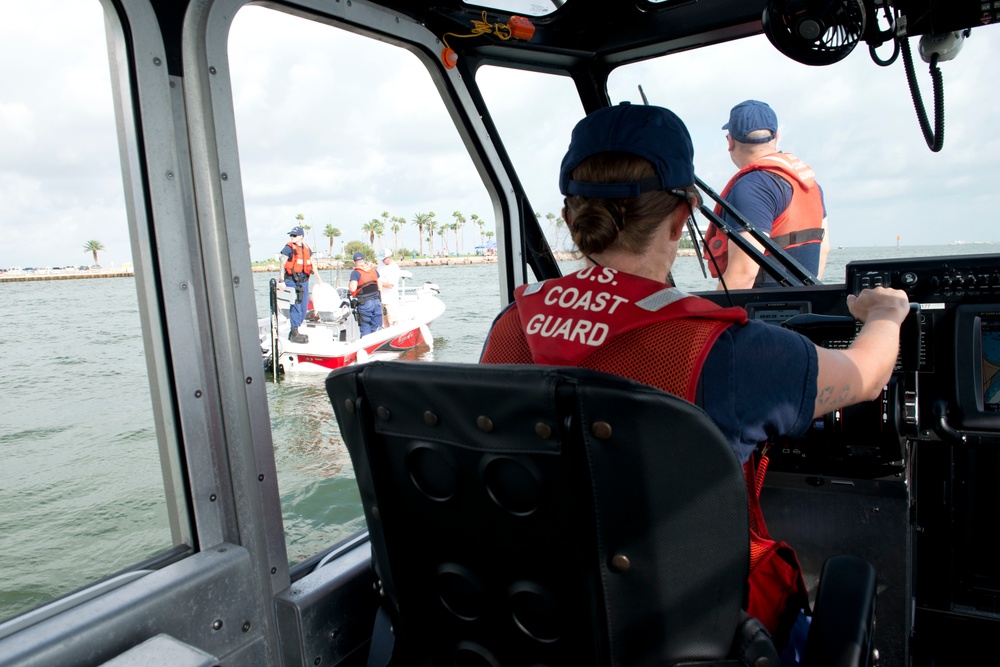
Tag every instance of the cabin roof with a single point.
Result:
(592, 35)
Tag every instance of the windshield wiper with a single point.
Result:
(778, 264)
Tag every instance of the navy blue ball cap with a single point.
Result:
(750, 116)
(296, 231)
(651, 132)
(358, 256)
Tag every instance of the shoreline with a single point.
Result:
(338, 264)
(72, 275)
(321, 265)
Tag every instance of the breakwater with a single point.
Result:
(25, 276)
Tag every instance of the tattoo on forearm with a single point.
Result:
(825, 396)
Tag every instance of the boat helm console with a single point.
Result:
(945, 386)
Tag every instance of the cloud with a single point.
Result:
(339, 128)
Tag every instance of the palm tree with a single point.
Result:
(94, 247)
(331, 233)
(420, 219)
(455, 226)
(397, 224)
(442, 230)
(480, 222)
(459, 221)
(431, 225)
(371, 228)
(379, 231)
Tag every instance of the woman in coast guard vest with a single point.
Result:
(628, 177)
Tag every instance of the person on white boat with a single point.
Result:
(364, 286)
(298, 268)
(389, 276)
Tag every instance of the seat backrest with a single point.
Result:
(531, 515)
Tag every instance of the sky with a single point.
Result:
(340, 129)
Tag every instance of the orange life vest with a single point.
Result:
(300, 261)
(799, 224)
(367, 282)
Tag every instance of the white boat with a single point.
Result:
(331, 325)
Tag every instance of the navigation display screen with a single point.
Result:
(990, 339)
(776, 313)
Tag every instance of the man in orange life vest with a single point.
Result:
(628, 178)
(365, 286)
(298, 268)
(776, 192)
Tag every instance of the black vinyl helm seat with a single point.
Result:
(534, 515)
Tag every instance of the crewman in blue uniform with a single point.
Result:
(365, 286)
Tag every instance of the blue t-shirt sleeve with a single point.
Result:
(758, 383)
(760, 198)
(355, 275)
(287, 252)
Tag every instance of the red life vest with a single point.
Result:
(300, 261)
(613, 322)
(618, 323)
(367, 282)
(799, 224)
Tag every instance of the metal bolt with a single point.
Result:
(184, 286)
(170, 175)
(349, 406)
(484, 423)
(260, 478)
(212, 497)
(249, 380)
(318, 659)
(430, 418)
(211, 70)
(236, 280)
(274, 570)
(383, 413)
(217, 625)
(225, 176)
(157, 61)
(601, 430)
(543, 430)
(375, 513)
(246, 626)
(620, 563)
(197, 393)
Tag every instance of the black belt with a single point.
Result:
(366, 299)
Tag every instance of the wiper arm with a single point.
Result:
(778, 264)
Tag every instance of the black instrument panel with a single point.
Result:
(947, 377)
